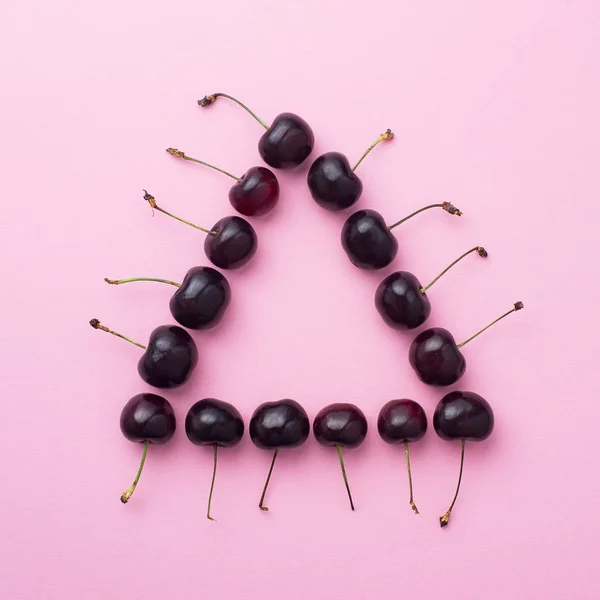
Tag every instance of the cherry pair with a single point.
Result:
(458, 416)
(150, 419)
(286, 144)
(403, 304)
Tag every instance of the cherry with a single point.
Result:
(402, 301)
(401, 422)
(169, 358)
(201, 300)
(333, 184)
(147, 419)
(231, 242)
(462, 416)
(286, 143)
(215, 423)
(275, 425)
(341, 425)
(255, 193)
(369, 242)
(436, 357)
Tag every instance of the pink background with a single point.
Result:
(495, 108)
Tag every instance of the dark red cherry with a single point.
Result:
(147, 419)
(436, 357)
(275, 425)
(234, 244)
(200, 301)
(256, 193)
(280, 424)
(402, 301)
(333, 183)
(401, 422)
(462, 416)
(341, 425)
(286, 143)
(231, 242)
(215, 423)
(370, 243)
(168, 360)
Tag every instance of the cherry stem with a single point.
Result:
(516, 307)
(388, 135)
(339, 449)
(129, 491)
(180, 154)
(444, 520)
(480, 250)
(262, 498)
(120, 281)
(212, 484)
(149, 198)
(210, 98)
(410, 485)
(97, 325)
(445, 205)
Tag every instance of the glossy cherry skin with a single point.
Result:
(287, 143)
(281, 424)
(148, 418)
(367, 240)
(202, 299)
(234, 244)
(436, 358)
(402, 421)
(332, 182)
(212, 421)
(463, 416)
(401, 303)
(257, 192)
(340, 424)
(170, 357)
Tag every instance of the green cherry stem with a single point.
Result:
(341, 456)
(149, 198)
(130, 279)
(481, 251)
(444, 520)
(180, 154)
(212, 483)
(210, 98)
(388, 135)
(97, 325)
(444, 205)
(410, 484)
(129, 491)
(516, 307)
(262, 498)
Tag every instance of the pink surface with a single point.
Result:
(495, 108)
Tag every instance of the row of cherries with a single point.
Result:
(149, 418)
(204, 295)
